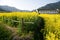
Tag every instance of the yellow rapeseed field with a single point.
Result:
(52, 26)
(21, 14)
(52, 22)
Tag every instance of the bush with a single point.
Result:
(35, 28)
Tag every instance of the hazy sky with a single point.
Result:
(26, 4)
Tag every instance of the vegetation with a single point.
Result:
(43, 26)
(52, 27)
(4, 32)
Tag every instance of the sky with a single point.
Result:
(26, 4)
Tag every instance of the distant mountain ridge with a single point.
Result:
(7, 8)
(55, 5)
(11, 9)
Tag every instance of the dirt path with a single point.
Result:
(14, 30)
(14, 35)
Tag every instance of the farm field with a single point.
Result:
(25, 24)
(52, 26)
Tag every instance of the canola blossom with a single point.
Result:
(52, 22)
